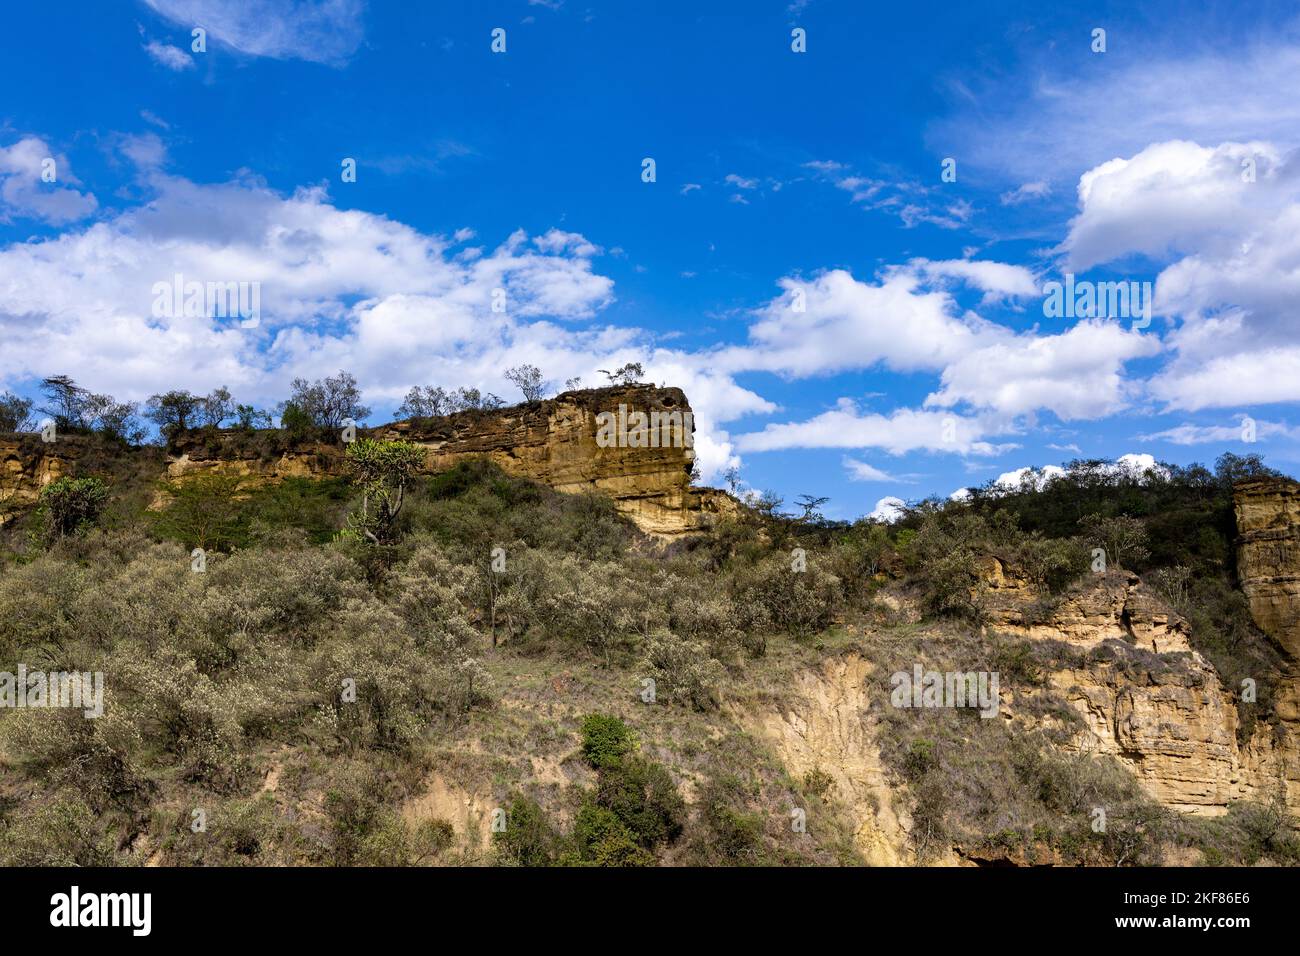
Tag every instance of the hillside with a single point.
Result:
(557, 653)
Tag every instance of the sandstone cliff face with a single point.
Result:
(1268, 567)
(553, 442)
(1146, 696)
(26, 466)
(1268, 556)
(830, 728)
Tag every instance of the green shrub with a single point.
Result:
(642, 795)
(606, 740)
(528, 839)
(605, 840)
(70, 505)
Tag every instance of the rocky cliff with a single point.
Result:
(1268, 556)
(1125, 663)
(632, 443)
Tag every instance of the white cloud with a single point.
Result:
(863, 471)
(318, 31)
(1025, 192)
(1084, 109)
(1028, 477)
(888, 510)
(998, 279)
(24, 192)
(835, 322)
(1191, 434)
(903, 430)
(338, 288)
(169, 56)
(1231, 245)
(740, 182)
(1078, 374)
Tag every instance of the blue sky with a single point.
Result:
(845, 322)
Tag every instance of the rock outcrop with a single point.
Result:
(558, 442)
(1145, 695)
(1268, 556)
(28, 464)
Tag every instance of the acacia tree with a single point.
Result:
(628, 374)
(383, 469)
(66, 401)
(425, 401)
(528, 379)
(328, 401)
(14, 412)
(173, 412)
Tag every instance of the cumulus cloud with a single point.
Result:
(888, 510)
(835, 322)
(903, 430)
(25, 193)
(996, 278)
(1226, 220)
(337, 288)
(1077, 374)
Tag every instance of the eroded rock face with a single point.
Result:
(1111, 606)
(27, 465)
(830, 728)
(1268, 556)
(1146, 696)
(554, 442)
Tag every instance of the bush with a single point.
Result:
(801, 603)
(62, 833)
(643, 797)
(606, 740)
(69, 505)
(603, 839)
(683, 671)
(528, 839)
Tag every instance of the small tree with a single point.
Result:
(629, 374)
(384, 469)
(810, 505)
(425, 401)
(329, 401)
(114, 419)
(216, 407)
(205, 512)
(173, 412)
(14, 413)
(528, 379)
(465, 399)
(1123, 537)
(66, 401)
